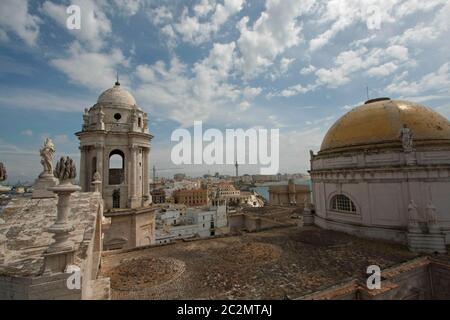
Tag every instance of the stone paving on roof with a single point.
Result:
(26, 222)
(266, 265)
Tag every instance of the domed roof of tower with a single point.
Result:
(117, 96)
(378, 123)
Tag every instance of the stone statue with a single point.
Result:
(101, 116)
(97, 176)
(413, 214)
(432, 219)
(413, 217)
(431, 213)
(47, 152)
(305, 202)
(85, 119)
(133, 116)
(3, 175)
(145, 121)
(96, 181)
(407, 138)
(311, 154)
(65, 169)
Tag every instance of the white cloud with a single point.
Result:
(94, 70)
(169, 35)
(203, 92)
(198, 28)
(14, 17)
(275, 31)
(27, 133)
(339, 15)
(438, 81)
(307, 70)
(95, 25)
(160, 15)
(424, 33)
(398, 52)
(129, 7)
(284, 64)
(383, 70)
(378, 61)
(409, 7)
(293, 91)
(204, 7)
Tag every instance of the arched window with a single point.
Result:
(342, 203)
(116, 167)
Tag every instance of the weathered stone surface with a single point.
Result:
(271, 264)
(41, 186)
(26, 222)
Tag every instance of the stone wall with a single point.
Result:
(420, 279)
(22, 275)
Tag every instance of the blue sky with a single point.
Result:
(296, 65)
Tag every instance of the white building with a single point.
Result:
(174, 222)
(383, 171)
(210, 222)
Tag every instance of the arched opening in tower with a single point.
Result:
(116, 167)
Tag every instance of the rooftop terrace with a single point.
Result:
(283, 262)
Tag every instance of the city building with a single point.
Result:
(179, 176)
(210, 221)
(383, 171)
(251, 199)
(191, 197)
(290, 194)
(158, 196)
(174, 221)
(115, 143)
(227, 191)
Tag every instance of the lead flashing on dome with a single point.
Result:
(377, 100)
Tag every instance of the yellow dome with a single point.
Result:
(378, 123)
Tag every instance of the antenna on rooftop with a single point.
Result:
(367, 92)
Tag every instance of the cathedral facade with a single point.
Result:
(383, 171)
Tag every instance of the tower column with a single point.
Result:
(145, 175)
(83, 168)
(99, 148)
(133, 199)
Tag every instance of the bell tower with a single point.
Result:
(115, 143)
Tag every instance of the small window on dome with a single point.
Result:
(117, 116)
(139, 122)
